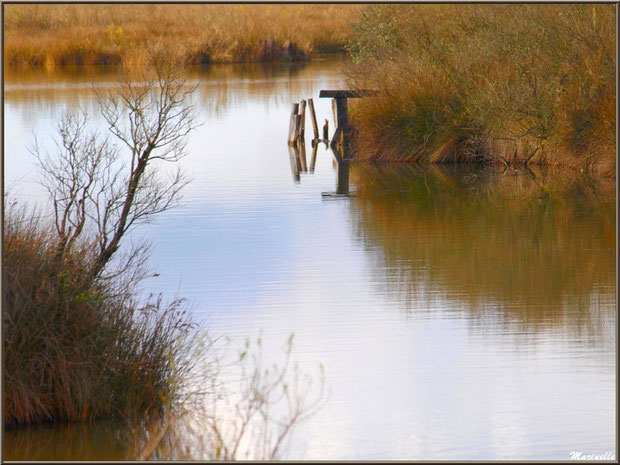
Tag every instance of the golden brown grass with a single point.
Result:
(508, 84)
(49, 35)
(78, 348)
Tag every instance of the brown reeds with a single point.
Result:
(38, 35)
(78, 348)
(506, 84)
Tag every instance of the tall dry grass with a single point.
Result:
(78, 348)
(492, 83)
(49, 35)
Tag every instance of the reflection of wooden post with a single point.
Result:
(315, 126)
(302, 155)
(294, 158)
(302, 124)
(292, 128)
(326, 130)
(342, 183)
(313, 159)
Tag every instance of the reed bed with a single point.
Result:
(77, 348)
(508, 84)
(39, 35)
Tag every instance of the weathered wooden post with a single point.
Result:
(302, 124)
(341, 117)
(315, 126)
(326, 130)
(292, 128)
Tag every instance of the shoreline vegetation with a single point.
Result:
(495, 84)
(45, 36)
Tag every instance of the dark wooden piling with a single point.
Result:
(326, 130)
(342, 136)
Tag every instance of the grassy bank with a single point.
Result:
(50, 35)
(506, 84)
(77, 348)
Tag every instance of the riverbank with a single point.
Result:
(502, 84)
(38, 36)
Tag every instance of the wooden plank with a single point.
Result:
(292, 125)
(348, 93)
(315, 126)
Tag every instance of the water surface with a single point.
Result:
(459, 313)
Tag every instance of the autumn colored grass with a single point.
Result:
(39, 35)
(507, 84)
(78, 348)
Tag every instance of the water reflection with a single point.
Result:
(525, 248)
(220, 87)
(103, 440)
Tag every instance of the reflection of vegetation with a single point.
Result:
(50, 35)
(237, 407)
(218, 86)
(104, 440)
(489, 83)
(539, 248)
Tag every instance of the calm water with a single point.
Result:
(458, 313)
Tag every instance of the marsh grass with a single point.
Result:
(39, 35)
(508, 84)
(78, 348)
